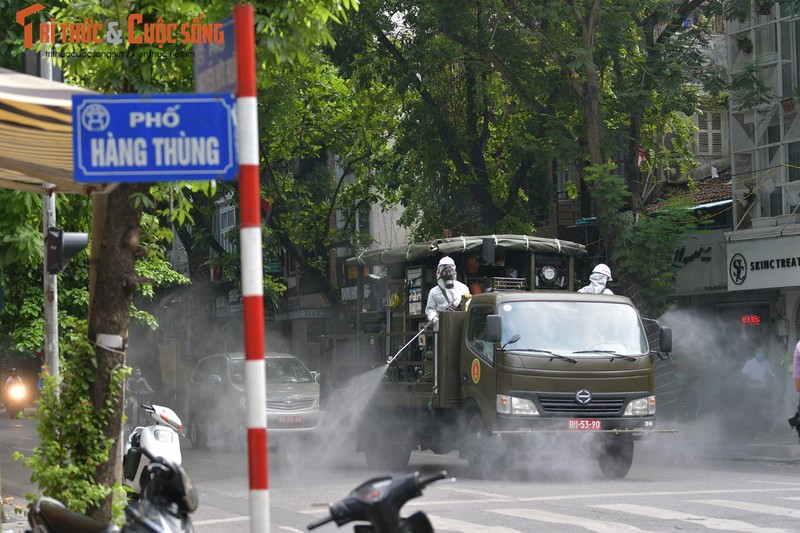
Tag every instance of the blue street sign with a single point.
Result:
(215, 64)
(163, 137)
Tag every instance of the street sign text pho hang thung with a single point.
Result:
(165, 137)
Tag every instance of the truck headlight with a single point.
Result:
(511, 405)
(641, 407)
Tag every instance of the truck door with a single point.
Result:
(478, 375)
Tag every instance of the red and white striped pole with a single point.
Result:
(252, 267)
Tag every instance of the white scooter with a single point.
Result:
(158, 440)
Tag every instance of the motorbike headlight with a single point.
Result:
(641, 407)
(511, 405)
(17, 392)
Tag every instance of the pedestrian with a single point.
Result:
(448, 294)
(757, 371)
(794, 421)
(598, 279)
(757, 375)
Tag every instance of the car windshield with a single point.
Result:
(278, 369)
(574, 327)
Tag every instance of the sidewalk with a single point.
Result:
(14, 521)
(772, 448)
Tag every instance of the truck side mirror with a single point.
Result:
(215, 379)
(665, 338)
(494, 328)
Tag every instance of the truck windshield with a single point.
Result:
(574, 327)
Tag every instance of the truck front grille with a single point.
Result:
(601, 404)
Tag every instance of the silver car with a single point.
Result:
(217, 399)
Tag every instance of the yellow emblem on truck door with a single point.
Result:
(476, 370)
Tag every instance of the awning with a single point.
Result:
(718, 203)
(36, 134)
(435, 248)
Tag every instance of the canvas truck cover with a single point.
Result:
(453, 245)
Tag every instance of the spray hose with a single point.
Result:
(406, 345)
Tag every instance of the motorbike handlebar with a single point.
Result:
(424, 481)
(320, 522)
(378, 501)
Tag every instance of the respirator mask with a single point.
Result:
(448, 275)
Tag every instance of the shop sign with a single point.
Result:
(701, 264)
(764, 263)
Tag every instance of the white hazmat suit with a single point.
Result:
(448, 292)
(597, 281)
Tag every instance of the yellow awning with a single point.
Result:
(36, 134)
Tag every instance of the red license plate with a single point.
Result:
(290, 419)
(585, 425)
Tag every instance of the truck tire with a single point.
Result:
(196, 436)
(385, 453)
(616, 457)
(476, 449)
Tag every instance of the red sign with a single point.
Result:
(751, 320)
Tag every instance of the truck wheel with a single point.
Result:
(616, 457)
(476, 449)
(382, 453)
(196, 436)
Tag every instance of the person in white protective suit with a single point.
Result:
(601, 275)
(449, 293)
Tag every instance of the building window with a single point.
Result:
(709, 135)
(363, 219)
(226, 227)
(794, 160)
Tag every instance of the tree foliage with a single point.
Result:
(499, 97)
(72, 444)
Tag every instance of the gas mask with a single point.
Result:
(448, 275)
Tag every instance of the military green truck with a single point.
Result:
(530, 359)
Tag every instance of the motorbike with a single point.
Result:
(168, 498)
(132, 404)
(16, 396)
(161, 439)
(378, 501)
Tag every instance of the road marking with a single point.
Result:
(755, 507)
(483, 495)
(221, 520)
(600, 526)
(603, 495)
(704, 521)
(441, 523)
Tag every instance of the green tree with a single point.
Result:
(285, 29)
(500, 95)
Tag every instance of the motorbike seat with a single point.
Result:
(59, 518)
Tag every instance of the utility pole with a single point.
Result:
(50, 280)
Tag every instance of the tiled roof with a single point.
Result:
(707, 190)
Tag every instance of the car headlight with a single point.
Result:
(511, 405)
(641, 407)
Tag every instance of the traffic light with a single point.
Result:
(61, 246)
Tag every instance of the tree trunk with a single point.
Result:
(113, 283)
